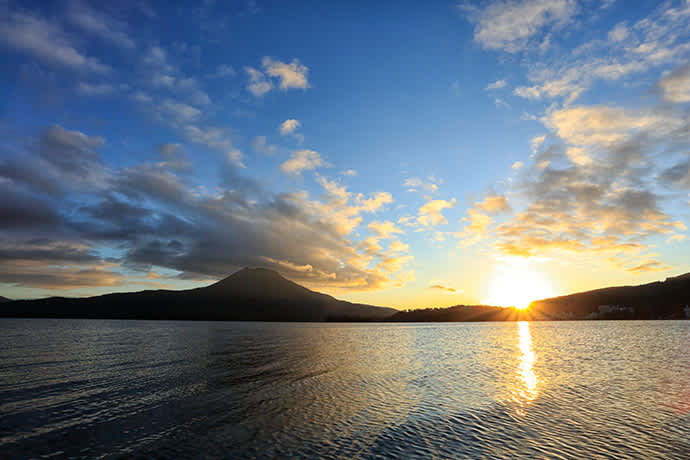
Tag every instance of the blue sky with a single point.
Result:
(423, 153)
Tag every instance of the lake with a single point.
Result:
(165, 389)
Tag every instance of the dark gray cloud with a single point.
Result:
(148, 215)
(20, 210)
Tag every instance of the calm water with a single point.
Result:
(122, 389)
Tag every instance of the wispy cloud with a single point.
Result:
(498, 84)
(99, 89)
(46, 41)
(261, 145)
(100, 25)
(224, 71)
(415, 184)
(440, 287)
(512, 26)
(649, 43)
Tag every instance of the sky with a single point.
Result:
(406, 154)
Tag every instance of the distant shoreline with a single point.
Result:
(257, 294)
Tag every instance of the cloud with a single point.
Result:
(512, 26)
(537, 142)
(476, 230)
(172, 157)
(163, 75)
(370, 246)
(619, 32)
(224, 71)
(188, 121)
(630, 50)
(212, 137)
(46, 41)
(58, 161)
(306, 268)
(178, 111)
(38, 273)
(676, 85)
(349, 173)
(260, 145)
(160, 80)
(440, 287)
(394, 264)
(415, 184)
(494, 204)
(430, 214)
(289, 126)
(498, 84)
(384, 229)
(277, 74)
(190, 90)
(374, 203)
(100, 25)
(649, 266)
(156, 58)
(398, 246)
(141, 97)
(677, 175)
(604, 185)
(88, 89)
(605, 206)
(147, 215)
(479, 220)
(604, 126)
(258, 84)
(302, 160)
(517, 165)
(293, 75)
(344, 210)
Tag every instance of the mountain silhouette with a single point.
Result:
(251, 294)
(658, 300)
(4, 299)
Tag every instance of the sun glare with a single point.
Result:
(516, 285)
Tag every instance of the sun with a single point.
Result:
(516, 284)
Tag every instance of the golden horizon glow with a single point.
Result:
(516, 284)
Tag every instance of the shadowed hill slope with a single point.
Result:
(659, 300)
(247, 295)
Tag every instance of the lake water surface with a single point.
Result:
(143, 389)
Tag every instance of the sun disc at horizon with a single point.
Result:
(517, 284)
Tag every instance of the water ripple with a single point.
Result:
(137, 389)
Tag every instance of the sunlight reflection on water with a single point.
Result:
(526, 389)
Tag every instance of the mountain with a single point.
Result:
(659, 300)
(4, 299)
(248, 295)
